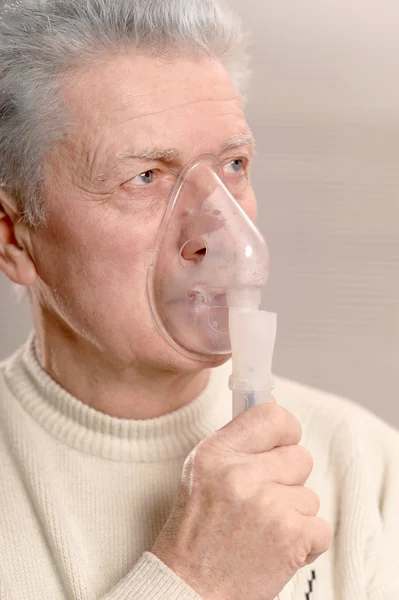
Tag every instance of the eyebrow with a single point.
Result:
(168, 155)
(173, 154)
(245, 139)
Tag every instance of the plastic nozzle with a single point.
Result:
(253, 336)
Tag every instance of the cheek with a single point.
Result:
(92, 265)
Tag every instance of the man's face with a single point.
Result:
(105, 204)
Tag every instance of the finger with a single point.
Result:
(304, 500)
(286, 465)
(321, 534)
(259, 429)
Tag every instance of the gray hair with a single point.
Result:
(44, 42)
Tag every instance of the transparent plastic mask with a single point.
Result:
(206, 247)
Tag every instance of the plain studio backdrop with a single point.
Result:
(324, 107)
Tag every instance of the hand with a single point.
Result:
(243, 523)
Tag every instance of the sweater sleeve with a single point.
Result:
(384, 566)
(151, 579)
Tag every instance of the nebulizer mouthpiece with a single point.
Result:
(208, 269)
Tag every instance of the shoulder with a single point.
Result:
(340, 429)
(356, 466)
(14, 382)
(4, 387)
(330, 410)
(9, 369)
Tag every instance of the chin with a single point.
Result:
(171, 358)
(198, 362)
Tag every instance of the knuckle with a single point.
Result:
(268, 502)
(294, 528)
(305, 458)
(276, 411)
(283, 420)
(296, 424)
(314, 502)
(279, 419)
(273, 414)
(326, 535)
(201, 458)
(323, 532)
(295, 541)
(289, 526)
(233, 480)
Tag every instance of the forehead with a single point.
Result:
(135, 100)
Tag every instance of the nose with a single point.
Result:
(193, 252)
(195, 232)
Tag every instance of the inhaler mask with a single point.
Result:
(205, 279)
(208, 256)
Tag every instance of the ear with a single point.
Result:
(15, 260)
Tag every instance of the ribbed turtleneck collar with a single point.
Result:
(87, 430)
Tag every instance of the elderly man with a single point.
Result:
(123, 474)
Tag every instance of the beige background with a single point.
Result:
(324, 107)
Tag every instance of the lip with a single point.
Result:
(218, 299)
(209, 299)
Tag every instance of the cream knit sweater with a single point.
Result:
(83, 496)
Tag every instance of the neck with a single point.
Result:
(133, 391)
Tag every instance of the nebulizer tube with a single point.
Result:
(252, 335)
(205, 278)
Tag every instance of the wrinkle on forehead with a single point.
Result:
(146, 86)
(176, 105)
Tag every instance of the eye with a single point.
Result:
(235, 166)
(144, 178)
